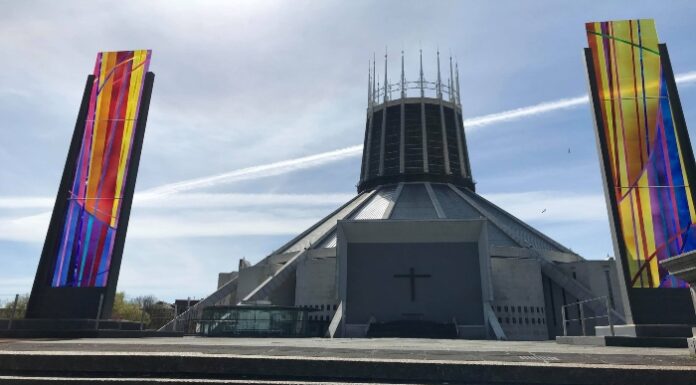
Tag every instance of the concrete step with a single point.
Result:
(644, 342)
(19, 380)
(69, 367)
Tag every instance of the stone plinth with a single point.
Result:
(684, 267)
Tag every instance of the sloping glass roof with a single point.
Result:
(412, 201)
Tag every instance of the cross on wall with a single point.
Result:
(412, 277)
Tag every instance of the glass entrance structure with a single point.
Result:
(254, 321)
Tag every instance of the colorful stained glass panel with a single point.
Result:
(648, 174)
(83, 258)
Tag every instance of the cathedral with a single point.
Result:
(417, 252)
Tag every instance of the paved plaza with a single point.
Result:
(379, 360)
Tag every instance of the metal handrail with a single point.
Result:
(582, 318)
(415, 85)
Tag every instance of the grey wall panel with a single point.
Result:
(452, 290)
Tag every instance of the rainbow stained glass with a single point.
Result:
(83, 257)
(648, 171)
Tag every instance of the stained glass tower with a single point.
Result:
(647, 165)
(79, 266)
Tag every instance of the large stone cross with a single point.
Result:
(412, 276)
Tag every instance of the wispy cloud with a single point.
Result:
(552, 206)
(197, 200)
(286, 166)
(190, 215)
(254, 172)
(687, 77)
(18, 202)
(30, 228)
(219, 215)
(523, 112)
(528, 206)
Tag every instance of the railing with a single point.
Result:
(429, 89)
(581, 316)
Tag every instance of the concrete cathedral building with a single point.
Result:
(418, 252)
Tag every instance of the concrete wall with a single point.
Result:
(251, 277)
(316, 284)
(518, 298)
(223, 278)
(601, 277)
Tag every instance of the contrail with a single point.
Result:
(285, 166)
(254, 172)
(522, 112)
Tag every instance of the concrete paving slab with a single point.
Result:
(390, 360)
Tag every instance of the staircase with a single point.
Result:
(412, 329)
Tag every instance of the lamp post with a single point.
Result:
(684, 267)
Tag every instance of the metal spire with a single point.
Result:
(439, 79)
(459, 98)
(403, 77)
(451, 82)
(386, 82)
(374, 78)
(421, 74)
(369, 85)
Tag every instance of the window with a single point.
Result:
(335, 306)
(525, 309)
(514, 320)
(512, 308)
(506, 308)
(533, 321)
(526, 321)
(322, 306)
(520, 320)
(507, 320)
(519, 309)
(498, 308)
(500, 320)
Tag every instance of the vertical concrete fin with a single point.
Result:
(335, 322)
(493, 323)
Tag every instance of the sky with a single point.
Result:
(258, 115)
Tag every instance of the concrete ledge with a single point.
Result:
(85, 333)
(643, 342)
(633, 330)
(225, 366)
(17, 380)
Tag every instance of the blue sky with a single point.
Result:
(245, 84)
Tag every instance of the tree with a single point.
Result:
(127, 310)
(6, 307)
